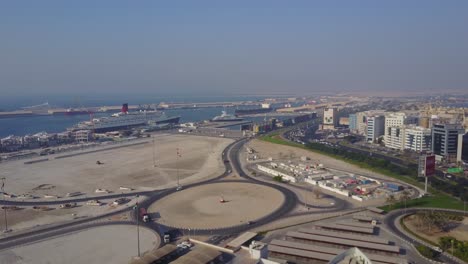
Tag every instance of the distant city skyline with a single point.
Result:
(212, 48)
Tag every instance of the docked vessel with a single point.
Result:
(125, 120)
(225, 117)
(72, 111)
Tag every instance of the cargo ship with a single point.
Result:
(125, 120)
(225, 117)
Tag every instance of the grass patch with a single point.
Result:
(438, 199)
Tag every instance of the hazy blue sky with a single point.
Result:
(217, 47)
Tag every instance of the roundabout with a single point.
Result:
(217, 205)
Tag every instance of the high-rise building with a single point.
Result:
(417, 138)
(395, 119)
(465, 148)
(375, 127)
(330, 119)
(447, 141)
(353, 123)
(361, 123)
(395, 137)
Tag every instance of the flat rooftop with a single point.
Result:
(345, 242)
(363, 230)
(371, 239)
(335, 251)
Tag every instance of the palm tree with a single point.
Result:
(391, 200)
(404, 196)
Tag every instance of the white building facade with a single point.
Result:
(418, 138)
(375, 127)
(394, 136)
(330, 119)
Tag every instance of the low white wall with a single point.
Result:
(276, 173)
(321, 185)
(357, 198)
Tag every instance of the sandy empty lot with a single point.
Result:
(27, 217)
(276, 151)
(200, 207)
(130, 166)
(106, 244)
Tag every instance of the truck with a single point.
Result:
(167, 237)
(144, 215)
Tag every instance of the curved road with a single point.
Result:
(231, 153)
(391, 221)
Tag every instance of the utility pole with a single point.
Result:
(305, 202)
(464, 203)
(154, 152)
(138, 225)
(4, 207)
(452, 247)
(177, 166)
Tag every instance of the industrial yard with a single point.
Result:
(333, 176)
(131, 167)
(357, 187)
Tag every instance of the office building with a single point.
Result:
(447, 141)
(465, 148)
(361, 123)
(330, 119)
(417, 138)
(395, 119)
(375, 127)
(395, 137)
(352, 123)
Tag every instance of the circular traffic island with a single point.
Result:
(217, 205)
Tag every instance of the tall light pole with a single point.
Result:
(154, 152)
(452, 247)
(177, 166)
(4, 207)
(138, 225)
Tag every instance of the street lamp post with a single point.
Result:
(464, 204)
(177, 166)
(154, 152)
(4, 207)
(452, 246)
(138, 225)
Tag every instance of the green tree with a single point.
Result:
(391, 200)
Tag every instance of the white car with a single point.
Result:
(186, 243)
(179, 188)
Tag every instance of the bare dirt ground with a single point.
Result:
(460, 232)
(106, 244)
(28, 218)
(200, 207)
(266, 150)
(132, 166)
